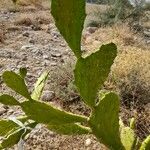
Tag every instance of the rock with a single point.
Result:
(25, 47)
(96, 43)
(88, 142)
(31, 41)
(89, 39)
(28, 28)
(146, 33)
(148, 42)
(30, 75)
(12, 12)
(48, 95)
(63, 44)
(13, 28)
(55, 33)
(35, 27)
(2, 110)
(6, 17)
(26, 34)
(10, 111)
(24, 58)
(45, 56)
(55, 37)
(54, 59)
(56, 54)
(62, 60)
(6, 107)
(36, 50)
(38, 62)
(54, 64)
(83, 49)
(147, 108)
(46, 62)
(21, 66)
(91, 29)
(48, 30)
(46, 41)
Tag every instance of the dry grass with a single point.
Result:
(6, 4)
(31, 19)
(130, 75)
(40, 4)
(25, 19)
(44, 18)
(62, 81)
(94, 8)
(36, 3)
(131, 72)
(120, 34)
(94, 13)
(132, 64)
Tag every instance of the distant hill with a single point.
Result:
(139, 2)
(132, 2)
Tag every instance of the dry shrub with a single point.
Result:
(43, 18)
(131, 73)
(123, 34)
(94, 12)
(31, 19)
(5, 3)
(143, 123)
(120, 34)
(25, 19)
(131, 78)
(37, 3)
(131, 70)
(62, 81)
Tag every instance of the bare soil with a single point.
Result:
(29, 38)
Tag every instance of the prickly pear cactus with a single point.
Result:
(145, 144)
(69, 18)
(104, 121)
(90, 73)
